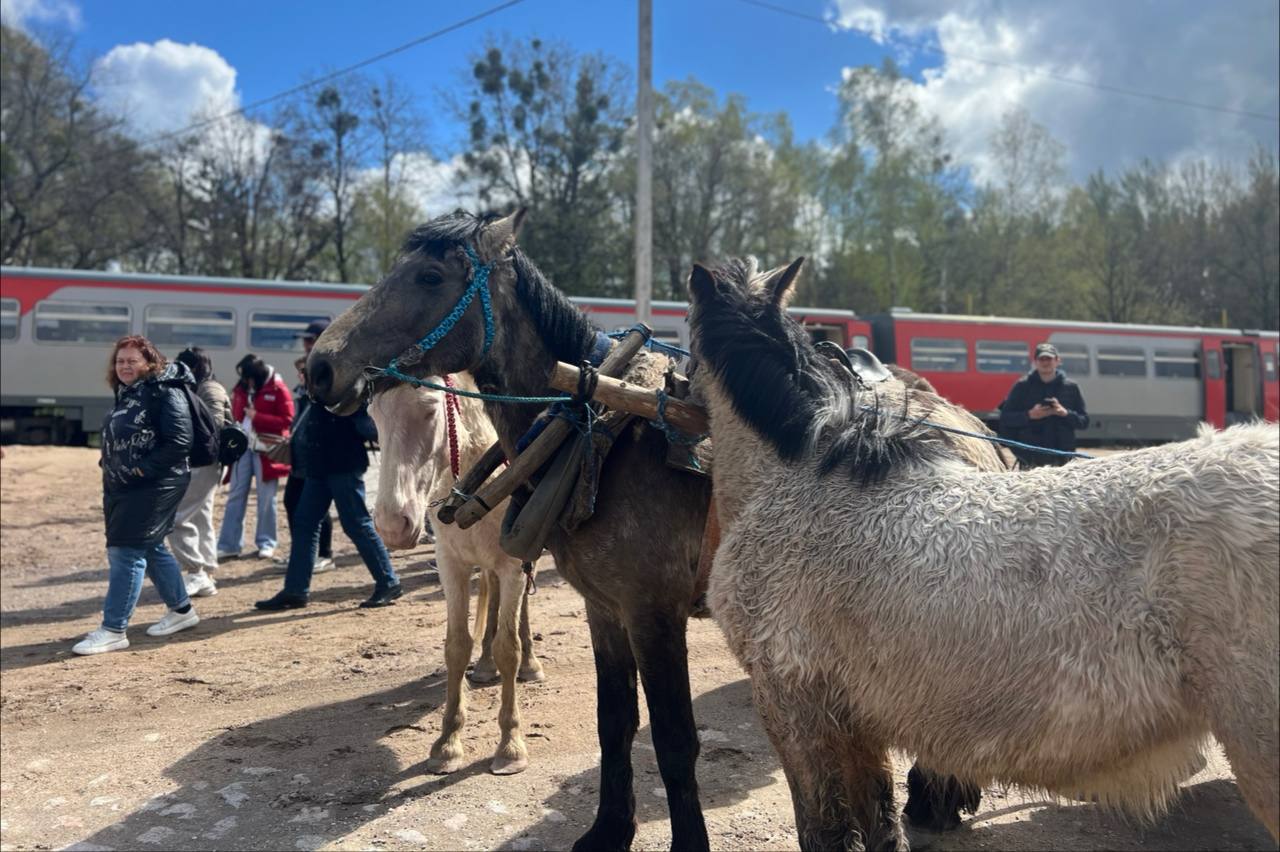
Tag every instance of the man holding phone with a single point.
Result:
(1043, 408)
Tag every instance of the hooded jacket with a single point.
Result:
(327, 444)
(1057, 433)
(145, 442)
(273, 415)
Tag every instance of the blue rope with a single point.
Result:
(1008, 442)
(488, 397)
(479, 284)
(653, 343)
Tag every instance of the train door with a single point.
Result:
(1215, 385)
(1232, 381)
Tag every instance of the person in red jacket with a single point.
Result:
(262, 404)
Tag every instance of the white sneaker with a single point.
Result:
(201, 585)
(174, 621)
(324, 563)
(100, 641)
(266, 552)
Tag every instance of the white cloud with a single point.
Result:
(21, 14)
(998, 55)
(164, 86)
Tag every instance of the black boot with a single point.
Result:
(282, 600)
(383, 596)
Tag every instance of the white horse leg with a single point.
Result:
(485, 671)
(511, 756)
(447, 751)
(530, 668)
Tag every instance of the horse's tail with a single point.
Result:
(482, 608)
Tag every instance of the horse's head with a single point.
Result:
(753, 356)
(411, 427)
(448, 271)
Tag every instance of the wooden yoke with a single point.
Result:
(525, 465)
(471, 480)
(622, 396)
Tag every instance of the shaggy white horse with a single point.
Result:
(415, 471)
(1078, 629)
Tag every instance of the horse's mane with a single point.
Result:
(780, 384)
(564, 330)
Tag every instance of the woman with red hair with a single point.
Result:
(145, 442)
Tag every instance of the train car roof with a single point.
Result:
(180, 280)
(899, 314)
(329, 287)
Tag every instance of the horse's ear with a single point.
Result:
(783, 286)
(702, 284)
(499, 237)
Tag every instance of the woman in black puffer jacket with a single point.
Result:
(145, 443)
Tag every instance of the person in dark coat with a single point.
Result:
(145, 443)
(1044, 408)
(293, 487)
(331, 450)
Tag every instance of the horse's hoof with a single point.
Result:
(508, 766)
(531, 675)
(483, 677)
(444, 765)
(602, 839)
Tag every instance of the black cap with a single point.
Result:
(1046, 349)
(316, 328)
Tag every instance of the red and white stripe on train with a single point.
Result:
(1140, 382)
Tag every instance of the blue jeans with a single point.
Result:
(127, 565)
(346, 491)
(231, 538)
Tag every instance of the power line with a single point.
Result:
(333, 75)
(1102, 87)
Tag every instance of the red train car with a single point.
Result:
(1140, 382)
(56, 326)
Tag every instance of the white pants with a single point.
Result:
(192, 541)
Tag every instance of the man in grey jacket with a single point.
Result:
(194, 540)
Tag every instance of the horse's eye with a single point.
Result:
(431, 278)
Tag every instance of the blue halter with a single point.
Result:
(479, 284)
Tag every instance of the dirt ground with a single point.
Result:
(309, 729)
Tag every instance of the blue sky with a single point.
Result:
(998, 55)
(779, 62)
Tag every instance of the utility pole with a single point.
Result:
(644, 167)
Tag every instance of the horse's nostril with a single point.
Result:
(319, 378)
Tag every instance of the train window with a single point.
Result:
(1269, 366)
(1212, 364)
(80, 322)
(1002, 356)
(1122, 361)
(1177, 364)
(1074, 357)
(279, 329)
(860, 341)
(177, 326)
(8, 319)
(940, 354)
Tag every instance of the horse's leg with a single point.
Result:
(447, 752)
(934, 801)
(511, 756)
(1242, 715)
(530, 666)
(841, 786)
(658, 641)
(485, 671)
(617, 717)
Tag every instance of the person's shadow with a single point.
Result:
(264, 784)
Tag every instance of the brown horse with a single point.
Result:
(634, 562)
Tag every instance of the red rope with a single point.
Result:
(451, 419)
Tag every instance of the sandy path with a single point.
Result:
(309, 729)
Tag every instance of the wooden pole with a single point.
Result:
(471, 480)
(622, 396)
(525, 465)
(644, 166)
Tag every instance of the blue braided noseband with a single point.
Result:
(479, 284)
